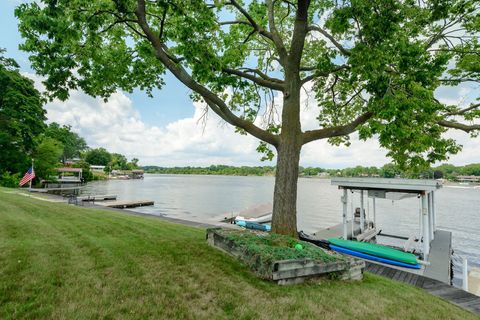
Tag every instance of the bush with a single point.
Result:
(9, 180)
(86, 172)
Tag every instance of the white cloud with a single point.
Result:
(118, 126)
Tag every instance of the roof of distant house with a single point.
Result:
(67, 169)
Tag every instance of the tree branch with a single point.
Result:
(162, 22)
(219, 106)
(300, 30)
(322, 74)
(460, 80)
(261, 81)
(263, 75)
(312, 135)
(459, 126)
(342, 49)
(441, 33)
(463, 111)
(251, 21)
(277, 40)
(225, 23)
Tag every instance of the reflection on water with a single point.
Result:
(204, 197)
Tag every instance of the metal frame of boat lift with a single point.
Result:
(379, 187)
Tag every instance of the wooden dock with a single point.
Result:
(54, 190)
(128, 204)
(437, 288)
(474, 281)
(337, 231)
(439, 257)
(104, 197)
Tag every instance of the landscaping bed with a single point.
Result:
(284, 259)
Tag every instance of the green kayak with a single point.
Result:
(375, 250)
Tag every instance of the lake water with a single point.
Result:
(201, 198)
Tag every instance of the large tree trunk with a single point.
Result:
(284, 218)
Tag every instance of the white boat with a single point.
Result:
(261, 219)
(259, 213)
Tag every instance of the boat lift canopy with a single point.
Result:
(69, 175)
(393, 189)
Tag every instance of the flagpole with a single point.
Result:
(30, 186)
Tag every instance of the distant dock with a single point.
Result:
(128, 204)
(59, 191)
(103, 197)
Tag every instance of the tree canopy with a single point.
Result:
(73, 144)
(47, 156)
(373, 66)
(98, 157)
(375, 63)
(24, 135)
(21, 117)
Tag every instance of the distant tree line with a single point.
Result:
(25, 135)
(214, 170)
(390, 170)
(111, 161)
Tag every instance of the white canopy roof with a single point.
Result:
(388, 185)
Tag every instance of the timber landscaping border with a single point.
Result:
(289, 271)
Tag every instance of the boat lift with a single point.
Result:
(394, 189)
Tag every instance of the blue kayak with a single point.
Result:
(374, 258)
(253, 225)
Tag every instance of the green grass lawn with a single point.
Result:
(60, 261)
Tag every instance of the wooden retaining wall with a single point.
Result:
(291, 271)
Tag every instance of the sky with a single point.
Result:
(168, 129)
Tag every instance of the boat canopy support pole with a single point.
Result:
(362, 212)
(434, 214)
(374, 213)
(426, 232)
(430, 216)
(352, 213)
(345, 223)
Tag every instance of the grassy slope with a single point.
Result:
(59, 261)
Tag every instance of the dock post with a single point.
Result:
(465, 274)
(345, 224)
(426, 232)
(362, 213)
(434, 217)
(430, 216)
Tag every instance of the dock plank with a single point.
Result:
(440, 257)
(457, 296)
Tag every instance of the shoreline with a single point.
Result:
(54, 198)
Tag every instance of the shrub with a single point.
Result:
(9, 180)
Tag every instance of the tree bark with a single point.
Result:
(284, 217)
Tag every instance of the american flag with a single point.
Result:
(28, 176)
